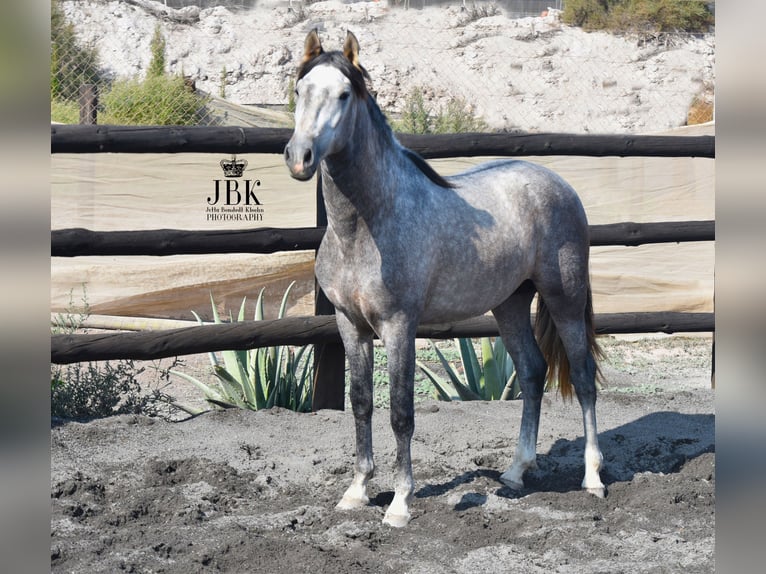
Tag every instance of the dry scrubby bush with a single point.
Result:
(650, 16)
(85, 391)
(95, 390)
(457, 116)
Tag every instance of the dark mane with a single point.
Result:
(358, 77)
(427, 170)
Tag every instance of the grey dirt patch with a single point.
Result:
(239, 491)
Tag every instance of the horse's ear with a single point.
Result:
(351, 49)
(312, 47)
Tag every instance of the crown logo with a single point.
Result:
(233, 167)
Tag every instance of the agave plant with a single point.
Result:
(259, 378)
(492, 378)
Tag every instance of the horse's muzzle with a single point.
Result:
(300, 160)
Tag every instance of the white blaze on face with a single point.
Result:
(322, 97)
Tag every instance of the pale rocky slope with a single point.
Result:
(532, 73)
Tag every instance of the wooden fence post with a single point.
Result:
(88, 104)
(329, 358)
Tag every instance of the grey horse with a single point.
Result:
(406, 246)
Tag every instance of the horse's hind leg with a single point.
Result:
(571, 318)
(583, 376)
(358, 348)
(515, 328)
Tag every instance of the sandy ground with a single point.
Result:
(240, 491)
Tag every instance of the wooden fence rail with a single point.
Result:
(322, 330)
(228, 140)
(148, 345)
(77, 241)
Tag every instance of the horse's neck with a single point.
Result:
(357, 181)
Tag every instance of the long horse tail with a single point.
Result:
(553, 349)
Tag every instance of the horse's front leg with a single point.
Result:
(358, 346)
(399, 339)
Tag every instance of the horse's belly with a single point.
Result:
(457, 298)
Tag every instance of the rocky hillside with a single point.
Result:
(534, 74)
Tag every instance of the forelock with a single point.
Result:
(357, 76)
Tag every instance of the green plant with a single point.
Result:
(416, 116)
(96, 390)
(492, 378)
(262, 378)
(157, 47)
(64, 112)
(72, 63)
(652, 16)
(85, 391)
(588, 14)
(457, 116)
(157, 100)
(160, 99)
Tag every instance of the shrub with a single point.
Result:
(457, 116)
(101, 389)
(653, 16)
(157, 100)
(64, 112)
(701, 110)
(160, 99)
(416, 116)
(588, 14)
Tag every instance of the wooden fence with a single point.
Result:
(321, 330)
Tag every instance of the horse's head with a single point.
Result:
(327, 87)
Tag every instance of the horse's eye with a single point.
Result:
(344, 96)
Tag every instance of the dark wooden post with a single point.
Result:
(329, 358)
(88, 104)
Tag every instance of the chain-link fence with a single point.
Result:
(514, 64)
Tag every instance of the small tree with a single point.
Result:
(416, 117)
(158, 99)
(72, 64)
(157, 46)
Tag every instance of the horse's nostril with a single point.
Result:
(287, 153)
(307, 157)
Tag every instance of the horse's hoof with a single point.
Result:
(510, 482)
(396, 520)
(599, 492)
(351, 503)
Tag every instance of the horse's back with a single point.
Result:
(524, 191)
(516, 177)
